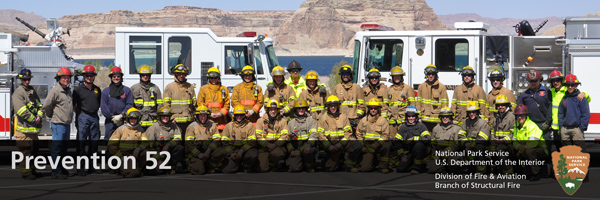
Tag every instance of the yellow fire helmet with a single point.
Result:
(213, 72)
(133, 113)
(301, 103)
(278, 71)
(467, 71)
(272, 104)
(374, 102)
(202, 109)
(312, 75)
(332, 99)
(373, 73)
(248, 70)
(431, 69)
(346, 69)
(397, 70)
(472, 106)
(180, 68)
(239, 110)
(164, 111)
(501, 99)
(446, 111)
(145, 69)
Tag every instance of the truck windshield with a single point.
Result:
(384, 54)
(272, 57)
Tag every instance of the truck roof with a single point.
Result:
(163, 30)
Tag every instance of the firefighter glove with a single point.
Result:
(545, 126)
(117, 119)
(271, 87)
(322, 90)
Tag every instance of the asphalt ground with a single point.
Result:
(279, 185)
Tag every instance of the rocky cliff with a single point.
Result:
(499, 26)
(328, 26)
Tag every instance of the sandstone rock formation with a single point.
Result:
(328, 26)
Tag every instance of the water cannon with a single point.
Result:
(55, 35)
(523, 28)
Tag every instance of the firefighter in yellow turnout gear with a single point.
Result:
(398, 97)
(180, 97)
(281, 92)
(315, 94)
(248, 94)
(336, 137)
(147, 97)
(468, 91)
(503, 125)
(28, 121)
(351, 95)
(201, 138)
(497, 78)
(476, 134)
(130, 140)
(374, 130)
(272, 135)
(166, 136)
(373, 89)
(238, 145)
(411, 143)
(302, 139)
(431, 98)
(444, 137)
(216, 97)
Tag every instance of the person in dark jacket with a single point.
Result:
(116, 100)
(411, 143)
(573, 115)
(539, 101)
(86, 100)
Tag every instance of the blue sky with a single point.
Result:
(524, 9)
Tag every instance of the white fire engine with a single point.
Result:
(577, 52)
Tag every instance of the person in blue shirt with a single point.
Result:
(116, 100)
(573, 115)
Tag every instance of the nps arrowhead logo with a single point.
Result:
(571, 167)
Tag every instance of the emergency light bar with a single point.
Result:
(247, 34)
(376, 27)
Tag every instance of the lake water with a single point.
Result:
(321, 64)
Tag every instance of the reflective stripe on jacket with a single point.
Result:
(181, 98)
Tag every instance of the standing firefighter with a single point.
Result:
(497, 78)
(476, 134)
(412, 141)
(503, 125)
(302, 139)
(295, 80)
(59, 107)
(86, 100)
(216, 97)
(431, 97)
(248, 94)
(280, 91)
(130, 140)
(573, 115)
(147, 97)
(201, 139)
(29, 115)
(375, 132)
(116, 100)
(444, 137)
(399, 96)
(529, 143)
(335, 134)
(538, 99)
(166, 136)
(180, 97)
(238, 140)
(316, 95)
(468, 91)
(351, 95)
(375, 90)
(272, 134)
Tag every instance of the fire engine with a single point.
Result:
(160, 48)
(577, 52)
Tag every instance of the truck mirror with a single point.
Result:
(250, 53)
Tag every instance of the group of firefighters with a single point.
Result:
(359, 129)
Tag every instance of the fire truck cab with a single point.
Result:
(197, 48)
(470, 44)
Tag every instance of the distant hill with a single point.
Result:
(8, 21)
(502, 25)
